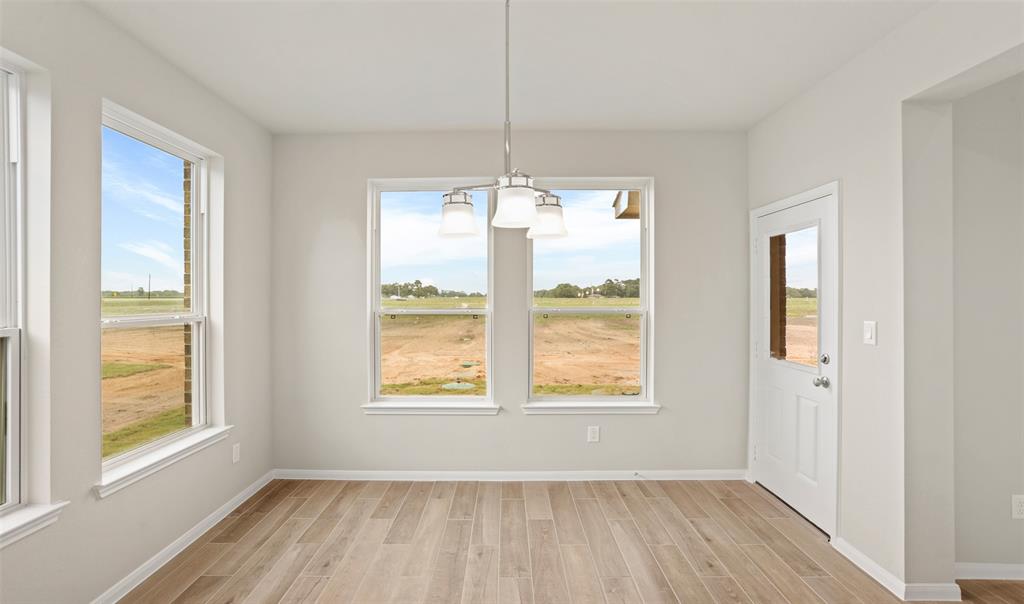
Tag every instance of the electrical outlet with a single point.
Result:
(1018, 507)
(593, 434)
(236, 452)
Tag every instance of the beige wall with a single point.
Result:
(848, 128)
(928, 340)
(320, 349)
(96, 543)
(988, 151)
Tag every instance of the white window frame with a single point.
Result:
(133, 465)
(642, 403)
(11, 273)
(429, 405)
(28, 92)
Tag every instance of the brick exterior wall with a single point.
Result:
(777, 295)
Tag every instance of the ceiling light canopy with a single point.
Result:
(520, 204)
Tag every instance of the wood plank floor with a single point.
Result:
(530, 543)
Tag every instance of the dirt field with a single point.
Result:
(156, 383)
(802, 340)
(575, 354)
(586, 354)
(434, 350)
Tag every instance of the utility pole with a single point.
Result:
(150, 295)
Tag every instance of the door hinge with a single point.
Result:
(755, 452)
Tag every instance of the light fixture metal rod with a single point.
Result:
(508, 123)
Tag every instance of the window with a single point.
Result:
(590, 301)
(10, 299)
(153, 298)
(793, 259)
(430, 301)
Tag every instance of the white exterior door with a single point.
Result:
(794, 316)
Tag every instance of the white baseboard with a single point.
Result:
(983, 570)
(932, 592)
(908, 592)
(528, 475)
(872, 568)
(140, 574)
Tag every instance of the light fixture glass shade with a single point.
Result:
(516, 202)
(550, 223)
(457, 218)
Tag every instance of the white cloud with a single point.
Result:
(156, 251)
(592, 226)
(411, 239)
(129, 189)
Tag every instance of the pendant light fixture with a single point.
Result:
(550, 224)
(457, 219)
(520, 204)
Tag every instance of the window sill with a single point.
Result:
(430, 408)
(27, 519)
(132, 471)
(589, 408)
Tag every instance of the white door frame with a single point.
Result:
(831, 188)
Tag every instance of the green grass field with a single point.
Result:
(480, 302)
(145, 431)
(585, 389)
(114, 369)
(801, 307)
(119, 307)
(433, 386)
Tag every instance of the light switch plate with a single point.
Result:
(871, 333)
(1018, 507)
(236, 452)
(593, 434)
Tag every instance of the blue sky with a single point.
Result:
(598, 246)
(802, 258)
(143, 209)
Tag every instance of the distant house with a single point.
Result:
(627, 205)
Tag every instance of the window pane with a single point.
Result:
(586, 354)
(5, 442)
(598, 263)
(147, 385)
(794, 296)
(147, 211)
(433, 355)
(421, 269)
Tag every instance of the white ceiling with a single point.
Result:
(303, 66)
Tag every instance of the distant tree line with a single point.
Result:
(801, 292)
(142, 293)
(611, 288)
(419, 290)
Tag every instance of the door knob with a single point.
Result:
(822, 382)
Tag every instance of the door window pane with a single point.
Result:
(421, 269)
(146, 385)
(433, 355)
(586, 354)
(598, 262)
(793, 265)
